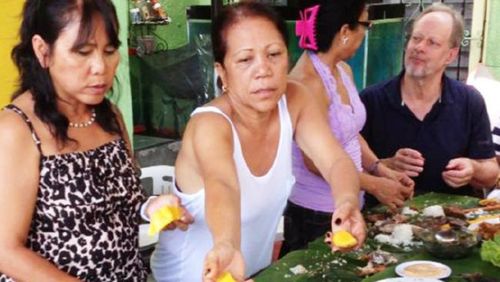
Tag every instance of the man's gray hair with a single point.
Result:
(457, 31)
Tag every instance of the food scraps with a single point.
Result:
(298, 269)
(377, 262)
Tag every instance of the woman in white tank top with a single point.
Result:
(233, 173)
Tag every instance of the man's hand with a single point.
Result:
(171, 201)
(392, 193)
(398, 176)
(392, 187)
(223, 257)
(458, 172)
(409, 161)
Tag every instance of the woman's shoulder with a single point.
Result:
(216, 111)
(295, 87)
(210, 119)
(301, 92)
(304, 73)
(300, 101)
(345, 67)
(13, 116)
(206, 133)
(11, 120)
(14, 130)
(304, 79)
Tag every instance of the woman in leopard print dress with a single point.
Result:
(69, 191)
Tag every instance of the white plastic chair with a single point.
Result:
(162, 176)
(280, 230)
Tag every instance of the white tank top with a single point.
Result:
(179, 255)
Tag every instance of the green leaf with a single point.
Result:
(323, 265)
(490, 251)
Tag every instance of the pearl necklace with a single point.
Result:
(85, 123)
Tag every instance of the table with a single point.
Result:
(322, 265)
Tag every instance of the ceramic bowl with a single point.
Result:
(452, 244)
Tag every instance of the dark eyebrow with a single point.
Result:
(81, 45)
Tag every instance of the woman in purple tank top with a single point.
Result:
(330, 32)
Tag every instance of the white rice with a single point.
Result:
(433, 211)
(408, 211)
(401, 236)
(298, 269)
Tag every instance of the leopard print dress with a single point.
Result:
(86, 216)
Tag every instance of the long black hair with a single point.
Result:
(332, 15)
(47, 18)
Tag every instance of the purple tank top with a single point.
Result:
(346, 121)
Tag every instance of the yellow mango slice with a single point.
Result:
(226, 277)
(445, 227)
(163, 217)
(343, 239)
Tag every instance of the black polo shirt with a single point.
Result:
(456, 126)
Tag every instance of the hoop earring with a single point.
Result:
(345, 39)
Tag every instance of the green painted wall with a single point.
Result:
(491, 53)
(176, 33)
(123, 94)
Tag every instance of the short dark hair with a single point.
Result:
(47, 18)
(332, 15)
(232, 14)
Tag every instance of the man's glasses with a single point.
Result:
(367, 24)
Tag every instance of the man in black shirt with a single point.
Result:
(434, 128)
